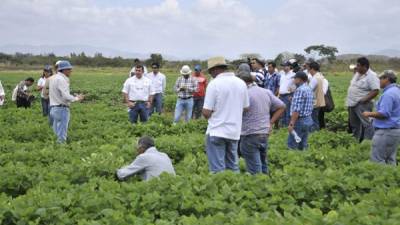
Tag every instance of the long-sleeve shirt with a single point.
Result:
(190, 85)
(302, 101)
(59, 92)
(389, 106)
(150, 164)
(159, 82)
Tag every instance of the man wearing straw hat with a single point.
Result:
(226, 99)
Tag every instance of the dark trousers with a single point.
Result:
(287, 99)
(321, 119)
(198, 103)
(157, 104)
(23, 102)
(139, 110)
(361, 126)
(45, 107)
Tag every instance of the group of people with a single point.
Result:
(241, 107)
(143, 93)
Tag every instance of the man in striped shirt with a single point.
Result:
(300, 112)
(185, 86)
(257, 66)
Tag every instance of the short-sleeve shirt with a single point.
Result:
(302, 101)
(159, 82)
(42, 83)
(361, 86)
(138, 89)
(389, 106)
(226, 97)
(262, 103)
(286, 84)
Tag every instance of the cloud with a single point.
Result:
(206, 27)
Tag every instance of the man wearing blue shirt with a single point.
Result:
(386, 121)
(300, 112)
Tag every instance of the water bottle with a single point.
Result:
(296, 137)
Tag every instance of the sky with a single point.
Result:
(202, 28)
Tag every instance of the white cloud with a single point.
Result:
(208, 27)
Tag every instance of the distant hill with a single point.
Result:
(389, 52)
(66, 50)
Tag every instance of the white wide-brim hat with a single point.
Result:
(186, 70)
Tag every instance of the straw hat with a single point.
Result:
(186, 70)
(216, 61)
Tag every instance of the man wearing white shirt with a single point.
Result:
(159, 83)
(137, 92)
(2, 94)
(286, 89)
(60, 99)
(47, 72)
(150, 163)
(317, 86)
(137, 63)
(226, 99)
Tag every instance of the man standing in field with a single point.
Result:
(185, 86)
(364, 87)
(257, 66)
(272, 79)
(47, 72)
(386, 121)
(257, 124)
(286, 89)
(150, 163)
(60, 100)
(159, 83)
(198, 96)
(300, 112)
(317, 86)
(138, 95)
(226, 99)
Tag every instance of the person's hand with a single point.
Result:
(182, 89)
(80, 97)
(290, 128)
(366, 114)
(131, 104)
(271, 129)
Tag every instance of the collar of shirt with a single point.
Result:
(151, 150)
(390, 86)
(225, 74)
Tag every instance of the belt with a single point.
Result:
(60, 106)
(390, 128)
(138, 101)
(185, 98)
(286, 94)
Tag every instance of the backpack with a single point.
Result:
(329, 103)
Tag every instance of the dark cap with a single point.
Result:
(286, 63)
(301, 75)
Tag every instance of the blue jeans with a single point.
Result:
(183, 105)
(315, 118)
(139, 109)
(157, 104)
(286, 115)
(302, 128)
(254, 151)
(45, 106)
(60, 117)
(222, 154)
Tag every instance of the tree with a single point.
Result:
(246, 56)
(156, 58)
(322, 51)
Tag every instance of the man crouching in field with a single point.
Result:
(149, 163)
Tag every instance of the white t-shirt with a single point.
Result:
(41, 83)
(138, 89)
(226, 96)
(286, 85)
(159, 81)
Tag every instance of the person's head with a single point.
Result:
(387, 77)
(47, 71)
(197, 70)
(186, 71)
(139, 71)
(56, 65)
(155, 67)
(300, 78)
(65, 67)
(245, 76)
(362, 65)
(216, 66)
(314, 68)
(271, 67)
(306, 65)
(144, 143)
(136, 62)
(286, 66)
(256, 64)
(29, 81)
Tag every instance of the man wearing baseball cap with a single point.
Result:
(386, 121)
(198, 96)
(300, 112)
(60, 100)
(226, 99)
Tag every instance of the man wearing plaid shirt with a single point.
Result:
(300, 112)
(272, 79)
(185, 86)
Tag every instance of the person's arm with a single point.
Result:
(246, 101)
(295, 112)
(277, 107)
(193, 86)
(384, 109)
(137, 166)
(125, 96)
(176, 86)
(209, 102)
(64, 90)
(313, 84)
(374, 85)
(371, 95)
(2, 94)
(164, 84)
